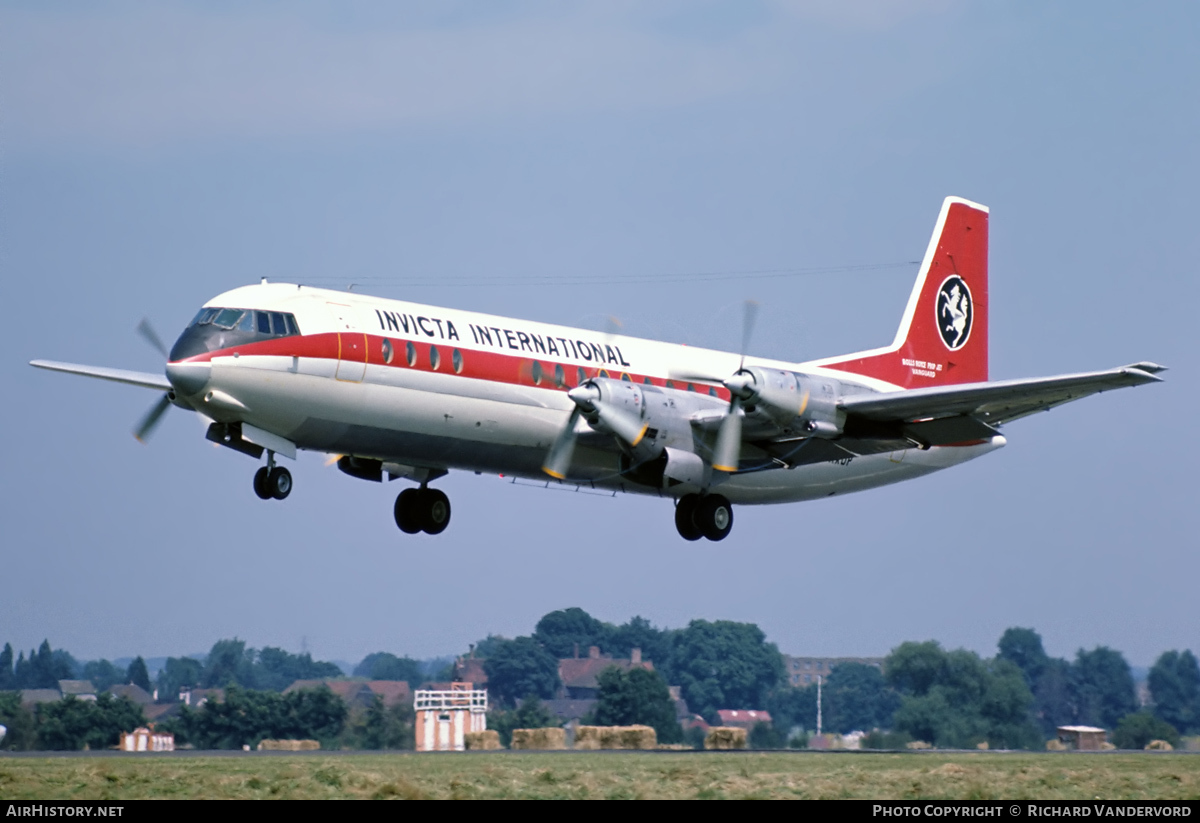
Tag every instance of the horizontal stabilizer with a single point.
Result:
(133, 378)
(995, 403)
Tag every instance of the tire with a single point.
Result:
(260, 484)
(714, 516)
(435, 511)
(685, 517)
(279, 483)
(406, 511)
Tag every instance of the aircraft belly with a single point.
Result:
(441, 420)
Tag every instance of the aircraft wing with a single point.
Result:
(133, 378)
(940, 415)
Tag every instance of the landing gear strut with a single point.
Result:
(272, 481)
(422, 510)
(709, 516)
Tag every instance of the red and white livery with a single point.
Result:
(402, 390)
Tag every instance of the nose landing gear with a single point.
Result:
(422, 510)
(271, 481)
(709, 516)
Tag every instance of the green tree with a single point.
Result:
(531, 714)
(1023, 648)
(857, 698)
(638, 633)
(765, 736)
(956, 700)
(1103, 685)
(1054, 697)
(1175, 686)
(229, 663)
(1137, 729)
(21, 734)
(381, 727)
(71, 724)
(137, 674)
(723, 665)
(178, 674)
(277, 669)
(103, 674)
(561, 632)
(7, 681)
(384, 666)
(248, 716)
(795, 707)
(637, 697)
(521, 667)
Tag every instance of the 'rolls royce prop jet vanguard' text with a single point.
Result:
(401, 390)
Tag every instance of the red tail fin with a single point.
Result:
(943, 337)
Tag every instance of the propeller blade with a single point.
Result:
(728, 449)
(151, 419)
(748, 317)
(629, 429)
(558, 460)
(151, 336)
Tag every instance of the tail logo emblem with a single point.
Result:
(954, 312)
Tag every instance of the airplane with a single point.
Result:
(396, 389)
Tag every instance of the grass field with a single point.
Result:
(625, 775)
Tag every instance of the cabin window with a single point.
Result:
(647, 381)
(582, 375)
(457, 360)
(410, 353)
(246, 322)
(278, 324)
(388, 354)
(712, 391)
(435, 359)
(560, 377)
(604, 372)
(264, 322)
(537, 373)
(292, 328)
(670, 384)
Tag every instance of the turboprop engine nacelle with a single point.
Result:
(794, 402)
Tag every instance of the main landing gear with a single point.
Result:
(422, 510)
(271, 481)
(709, 516)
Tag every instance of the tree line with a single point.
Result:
(948, 698)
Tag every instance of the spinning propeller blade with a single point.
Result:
(587, 400)
(559, 458)
(151, 419)
(151, 336)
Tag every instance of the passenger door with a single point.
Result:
(352, 344)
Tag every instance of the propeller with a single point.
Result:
(727, 451)
(151, 419)
(588, 400)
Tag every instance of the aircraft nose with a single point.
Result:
(189, 378)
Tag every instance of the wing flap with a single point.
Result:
(995, 403)
(133, 378)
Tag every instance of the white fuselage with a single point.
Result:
(362, 378)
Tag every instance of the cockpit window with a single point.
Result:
(257, 323)
(205, 316)
(227, 318)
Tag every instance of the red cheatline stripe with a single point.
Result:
(494, 367)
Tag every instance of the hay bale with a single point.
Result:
(485, 740)
(539, 739)
(982, 746)
(1056, 745)
(918, 745)
(1159, 746)
(725, 737)
(1107, 747)
(289, 745)
(615, 737)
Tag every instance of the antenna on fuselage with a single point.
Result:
(263, 282)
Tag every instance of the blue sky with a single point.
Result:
(152, 156)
